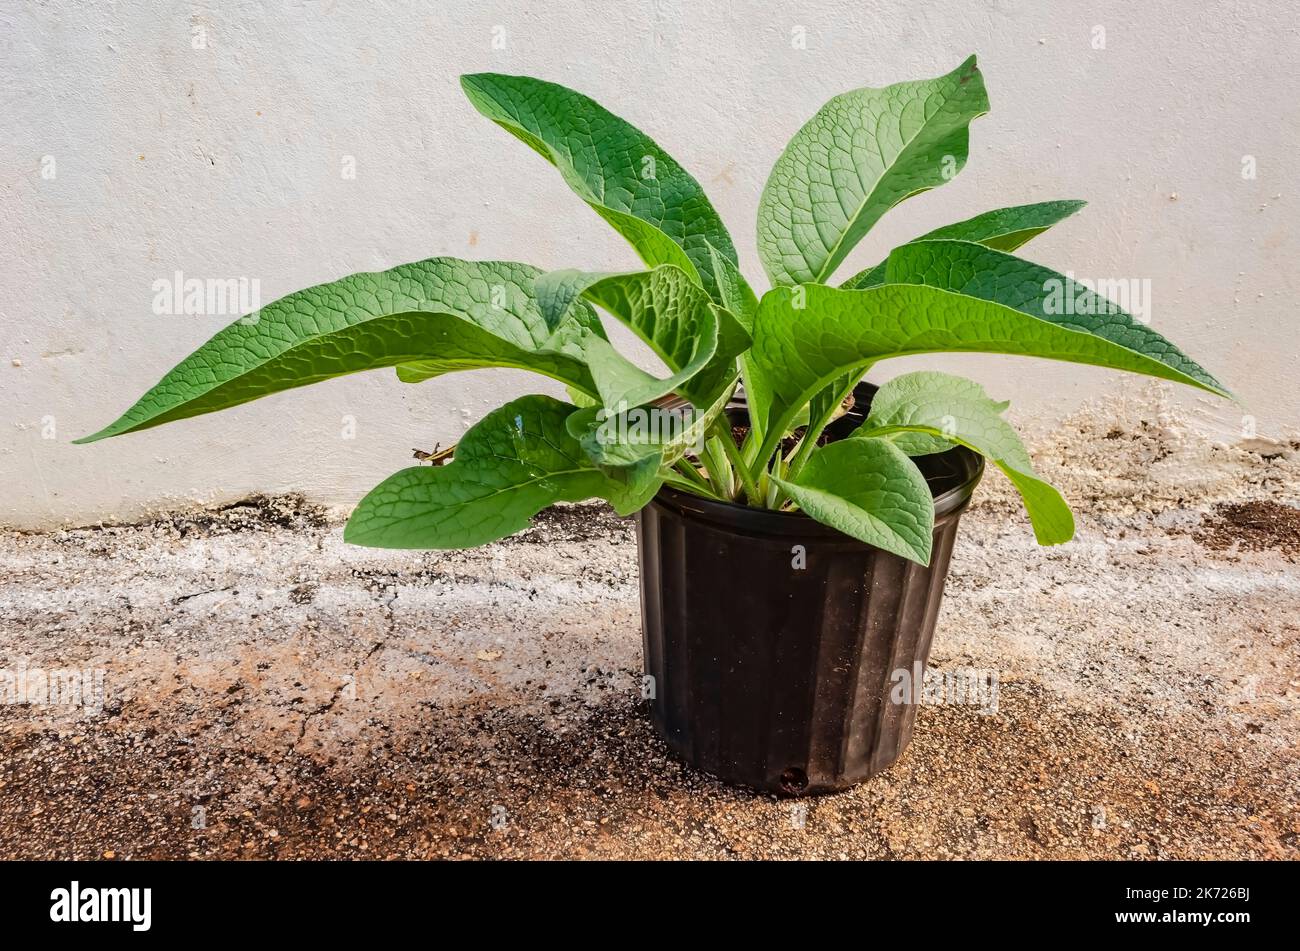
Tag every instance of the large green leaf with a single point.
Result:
(978, 271)
(697, 340)
(927, 412)
(614, 167)
(871, 490)
(1004, 229)
(516, 461)
(734, 292)
(861, 154)
(805, 337)
(449, 314)
(622, 384)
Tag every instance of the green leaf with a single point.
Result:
(978, 271)
(580, 399)
(734, 292)
(927, 412)
(445, 313)
(622, 384)
(861, 154)
(805, 337)
(558, 291)
(869, 489)
(615, 168)
(1049, 513)
(516, 461)
(1004, 229)
(697, 340)
(1008, 228)
(740, 301)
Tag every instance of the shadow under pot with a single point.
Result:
(773, 640)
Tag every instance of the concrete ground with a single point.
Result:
(272, 693)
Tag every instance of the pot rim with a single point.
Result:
(947, 505)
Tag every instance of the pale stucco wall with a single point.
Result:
(226, 161)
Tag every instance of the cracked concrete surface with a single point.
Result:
(271, 692)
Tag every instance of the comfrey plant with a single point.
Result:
(797, 351)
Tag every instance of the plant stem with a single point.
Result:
(677, 478)
(794, 464)
(734, 456)
(813, 431)
(774, 491)
(688, 475)
(749, 448)
(799, 455)
(720, 474)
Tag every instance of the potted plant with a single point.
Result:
(794, 540)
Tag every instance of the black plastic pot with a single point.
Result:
(776, 676)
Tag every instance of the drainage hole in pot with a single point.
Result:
(794, 780)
